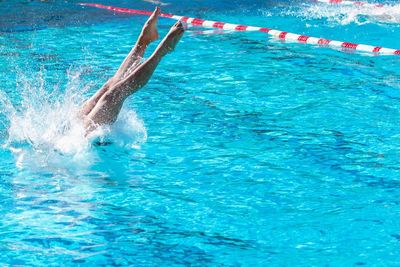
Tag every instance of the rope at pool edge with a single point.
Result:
(287, 36)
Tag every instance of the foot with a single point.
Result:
(172, 38)
(149, 31)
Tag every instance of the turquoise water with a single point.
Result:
(241, 151)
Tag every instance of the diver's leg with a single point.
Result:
(149, 34)
(143, 73)
(89, 104)
(107, 108)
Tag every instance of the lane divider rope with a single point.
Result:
(282, 35)
(351, 3)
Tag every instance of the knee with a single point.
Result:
(111, 82)
(112, 96)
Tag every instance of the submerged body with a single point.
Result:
(104, 106)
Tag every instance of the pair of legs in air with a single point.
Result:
(104, 106)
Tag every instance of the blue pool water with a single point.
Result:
(241, 151)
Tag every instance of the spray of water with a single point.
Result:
(346, 14)
(44, 129)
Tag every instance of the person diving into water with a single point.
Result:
(104, 106)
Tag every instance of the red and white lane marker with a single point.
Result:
(282, 35)
(350, 3)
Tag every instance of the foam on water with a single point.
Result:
(44, 128)
(346, 14)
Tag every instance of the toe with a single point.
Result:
(155, 14)
(178, 25)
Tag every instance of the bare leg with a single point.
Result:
(149, 34)
(107, 108)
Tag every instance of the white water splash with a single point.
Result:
(346, 14)
(44, 128)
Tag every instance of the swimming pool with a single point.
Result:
(242, 150)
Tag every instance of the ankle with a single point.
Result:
(143, 42)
